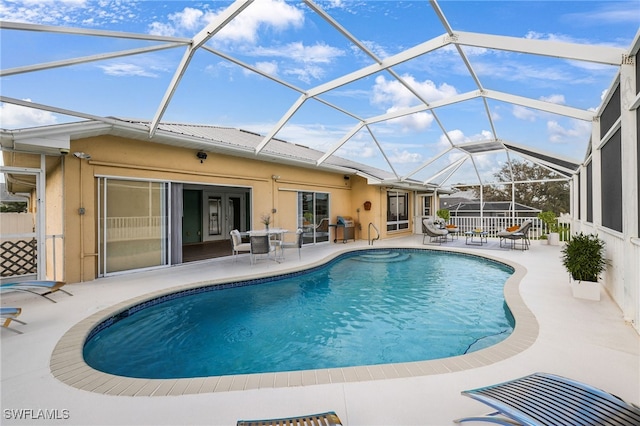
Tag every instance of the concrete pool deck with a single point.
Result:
(587, 341)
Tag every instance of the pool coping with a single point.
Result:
(68, 366)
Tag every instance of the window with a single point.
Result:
(426, 206)
(397, 210)
(611, 172)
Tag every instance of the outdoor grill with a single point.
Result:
(348, 226)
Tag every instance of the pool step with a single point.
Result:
(383, 257)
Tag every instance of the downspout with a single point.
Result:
(41, 228)
(81, 213)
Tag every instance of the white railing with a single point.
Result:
(134, 228)
(493, 225)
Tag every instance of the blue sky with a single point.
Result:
(289, 41)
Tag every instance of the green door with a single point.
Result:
(191, 216)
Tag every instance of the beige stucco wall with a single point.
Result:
(117, 157)
(54, 226)
(72, 193)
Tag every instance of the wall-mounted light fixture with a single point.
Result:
(202, 156)
(275, 177)
(82, 155)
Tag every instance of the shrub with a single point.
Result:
(583, 257)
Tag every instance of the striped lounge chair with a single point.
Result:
(323, 419)
(545, 399)
(9, 314)
(40, 288)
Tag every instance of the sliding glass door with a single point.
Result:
(133, 225)
(313, 213)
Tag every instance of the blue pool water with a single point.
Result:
(363, 308)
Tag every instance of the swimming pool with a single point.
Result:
(362, 308)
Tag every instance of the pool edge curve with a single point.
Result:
(68, 366)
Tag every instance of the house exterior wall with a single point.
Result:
(274, 187)
(621, 278)
(54, 223)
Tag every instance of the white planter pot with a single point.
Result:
(589, 290)
(554, 238)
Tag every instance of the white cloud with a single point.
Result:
(404, 157)
(275, 14)
(534, 35)
(68, 12)
(395, 96)
(393, 92)
(17, 117)
(162, 29)
(270, 67)
(306, 74)
(124, 70)
(458, 137)
(578, 132)
(189, 19)
(412, 122)
(609, 12)
(305, 62)
(523, 113)
(556, 99)
(318, 53)
(375, 47)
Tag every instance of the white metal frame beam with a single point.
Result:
(556, 49)
(201, 38)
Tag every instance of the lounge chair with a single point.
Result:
(519, 233)
(435, 234)
(237, 245)
(9, 314)
(293, 244)
(40, 288)
(546, 399)
(323, 419)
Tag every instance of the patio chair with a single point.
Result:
(322, 228)
(9, 314)
(237, 245)
(323, 419)
(39, 288)
(293, 244)
(514, 234)
(260, 244)
(435, 234)
(546, 399)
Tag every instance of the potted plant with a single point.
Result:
(266, 220)
(583, 257)
(551, 221)
(443, 214)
